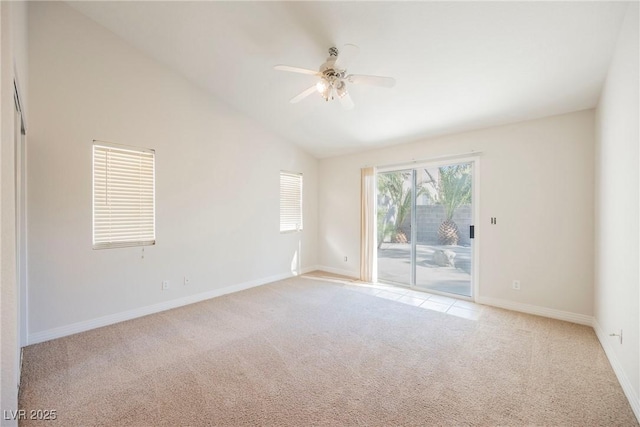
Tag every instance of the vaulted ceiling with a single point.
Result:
(458, 65)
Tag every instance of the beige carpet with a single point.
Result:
(309, 352)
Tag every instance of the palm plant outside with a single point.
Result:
(397, 187)
(453, 190)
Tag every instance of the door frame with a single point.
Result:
(474, 159)
(20, 182)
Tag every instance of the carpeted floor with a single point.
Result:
(310, 352)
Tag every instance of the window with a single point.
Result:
(123, 196)
(290, 201)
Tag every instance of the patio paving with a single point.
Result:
(394, 265)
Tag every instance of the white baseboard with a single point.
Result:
(110, 319)
(310, 269)
(568, 316)
(348, 273)
(623, 379)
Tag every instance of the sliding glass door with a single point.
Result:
(395, 199)
(425, 218)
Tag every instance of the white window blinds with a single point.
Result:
(123, 196)
(290, 201)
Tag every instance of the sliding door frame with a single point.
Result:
(414, 227)
(474, 159)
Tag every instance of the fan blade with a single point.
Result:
(345, 55)
(296, 70)
(360, 79)
(346, 101)
(303, 95)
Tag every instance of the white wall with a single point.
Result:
(617, 257)
(536, 177)
(217, 181)
(13, 65)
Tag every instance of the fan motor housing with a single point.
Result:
(328, 69)
(332, 73)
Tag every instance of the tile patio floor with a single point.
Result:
(465, 309)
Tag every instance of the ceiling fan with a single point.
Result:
(333, 77)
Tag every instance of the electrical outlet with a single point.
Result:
(345, 259)
(186, 280)
(516, 285)
(165, 285)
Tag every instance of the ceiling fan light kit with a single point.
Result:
(333, 77)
